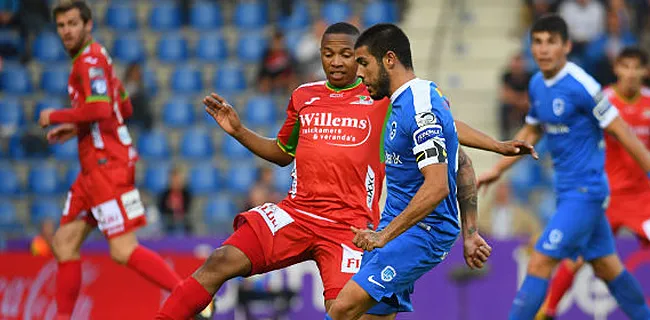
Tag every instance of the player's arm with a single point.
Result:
(126, 107)
(95, 86)
(530, 133)
(226, 116)
(474, 138)
(621, 131)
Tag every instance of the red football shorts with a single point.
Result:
(631, 210)
(274, 237)
(106, 197)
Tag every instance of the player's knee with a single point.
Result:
(120, 254)
(63, 246)
(341, 310)
(541, 266)
(607, 268)
(225, 263)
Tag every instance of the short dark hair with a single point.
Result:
(634, 53)
(66, 5)
(553, 24)
(342, 28)
(385, 37)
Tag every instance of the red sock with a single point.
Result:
(152, 267)
(68, 284)
(187, 300)
(561, 282)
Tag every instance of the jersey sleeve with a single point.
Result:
(595, 103)
(531, 116)
(287, 138)
(92, 74)
(427, 129)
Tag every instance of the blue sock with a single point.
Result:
(327, 317)
(627, 291)
(529, 298)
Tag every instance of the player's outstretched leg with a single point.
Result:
(560, 284)
(623, 286)
(126, 250)
(66, 246)
(532, 292)
(195, 292)
(352, 302)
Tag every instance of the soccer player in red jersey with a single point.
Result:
(332, 133)
(103, 194)
(630, 192)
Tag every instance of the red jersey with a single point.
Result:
(97, 99)
(624, 173)
(335, 136)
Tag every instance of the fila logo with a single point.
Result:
(314, 99)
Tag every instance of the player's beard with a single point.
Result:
(79, 44)
(382, 89)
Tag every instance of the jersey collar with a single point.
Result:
(82, 50)
(563, 72)
(401, 89)
(348, 87)
(625, 99)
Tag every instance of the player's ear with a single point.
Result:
(89, 26)
(568, 46)
(389, 60)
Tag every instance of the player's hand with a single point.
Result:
(487, 178)
(62, 133)
(44, 117)
(223, 113)
(476, 251)
(367, 239)
(517, 148)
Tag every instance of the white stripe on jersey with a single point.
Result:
(421, 90)
(591, 85)
(309, 84)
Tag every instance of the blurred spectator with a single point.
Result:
(621, 9)
(175, 202)
(31, 18)
(586, 21)
(601, 53)
(277, 73)
(134, 85)
(514, 96)
(504, 218)
(42, 244)
(7, 10)
(263, 190)
(308, 54)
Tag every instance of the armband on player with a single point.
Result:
(648, 175)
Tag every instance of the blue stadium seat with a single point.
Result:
(292, 39)
(15, 79)
(10, 185)
(186, 80)
(251, 15)
(379, 11)
(282, 178)
(150, 80)
(9, 222)
(300, 17)
(71, 174)
(129, 48)
(219, 210)
(45, 103)
(211, 47)
(153, 145)
(172, 48)
(47, 47)
(11, 42)
(54, 80)
(241, 176)
(12, 112)
(66, 151)
(203, 179)
(335, 11)
(206, 15)
(165, 16)
(156, 177)
(196, 144)
(230, 79)
(260, 111)
(233, 150)
(178, 112)
(43, 179)
(121, 15)
(251, 47)
(44, 209)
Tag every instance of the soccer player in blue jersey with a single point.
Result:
(420, 221)
(567, 105)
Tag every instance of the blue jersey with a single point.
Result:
(572, 112)
(420, 131)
